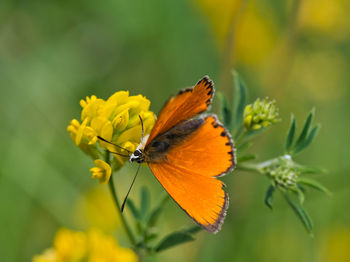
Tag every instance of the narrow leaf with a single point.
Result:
(239, 101)
(251, 133)
(301, 213)
(153, 217)
(291, 132)
(311, 170)
(300, 194)
(243, 147)
(173, 239)
(269, 196)
(244, 158)
(225, 111)
(193, 229)
(133, 209)
(152, 220)
(305, 130)
(308, 140)
(313, 184)
(150, 237)
(145, 202)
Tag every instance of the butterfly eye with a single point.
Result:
(137, 153)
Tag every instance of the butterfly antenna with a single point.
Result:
(141, 128)
(118, 154)
(104, 140)
(132, 183)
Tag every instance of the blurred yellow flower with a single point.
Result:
(325, 16)
(116, 120)
(95, 208)
(254, 34)
(101, 171)
(335, 245)
(92, 246)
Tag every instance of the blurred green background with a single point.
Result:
(54, 53)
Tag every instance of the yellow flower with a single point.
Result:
(48, 255)
(101, 171)
(106, 248)
(79, 134)
(70, 245)
(93, 246)
(116, 120)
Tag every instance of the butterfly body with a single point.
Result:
(186, 153)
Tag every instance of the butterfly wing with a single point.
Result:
(187, 103)
(189, 173)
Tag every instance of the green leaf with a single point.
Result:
(313, 184)
(308, 140)
(311, 170)
(244, 158)
(152, 220)
(133, 209)
(269, 196)
(174, 239)
(225, 111)
(304, 133)
(291, 132)
(239, 101)
(300, 212)
(193, 229)
(251, 133)
(300, 194)
(145, 202)
(153, 217)
(150, 237)
(243, 147)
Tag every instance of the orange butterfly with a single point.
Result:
(186, 154)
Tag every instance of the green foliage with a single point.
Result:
(146, 222)
(269, 196)
(284, 173)
(176, 238)
(300, 212)
(239, 102)
(313, 184)
(291, 132)
(225, 110)
(305, 138)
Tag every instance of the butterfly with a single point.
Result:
(187, 151)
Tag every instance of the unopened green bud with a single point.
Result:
(260, 114)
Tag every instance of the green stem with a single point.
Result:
(240, 136)
(250, 167)
(115, 198)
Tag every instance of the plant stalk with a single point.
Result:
(117, 204)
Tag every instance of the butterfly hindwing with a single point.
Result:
(186, 104)
(200, 196)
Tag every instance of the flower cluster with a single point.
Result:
(116, 120)
(260, 114)
(283, 172)
(73, 246)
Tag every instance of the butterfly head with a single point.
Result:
(137, 156)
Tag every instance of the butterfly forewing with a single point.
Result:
(186, 104)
